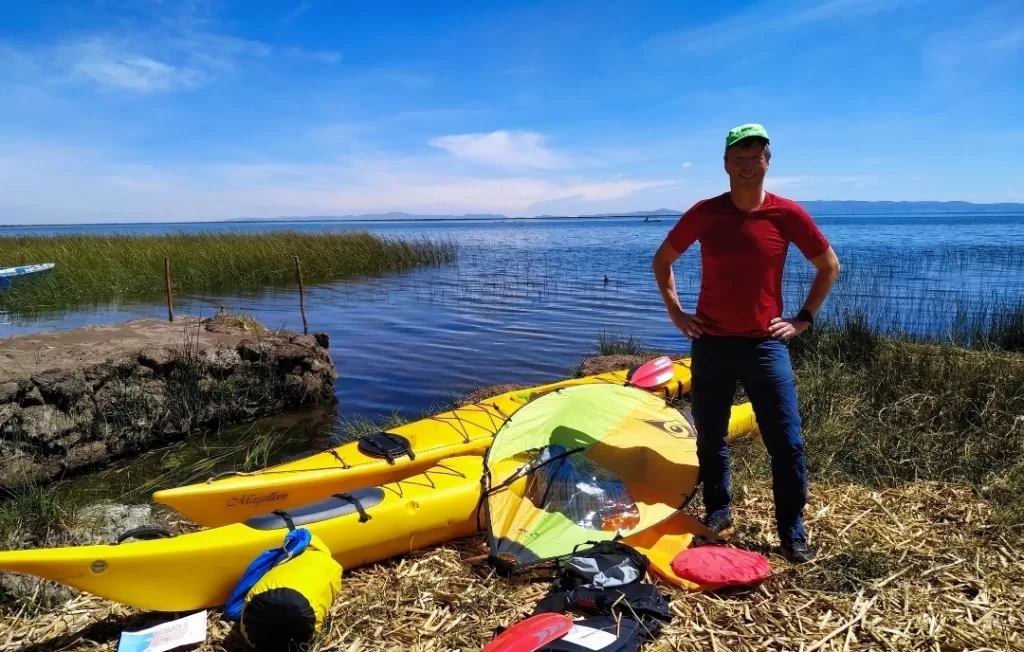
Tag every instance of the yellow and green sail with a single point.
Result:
(585, 464)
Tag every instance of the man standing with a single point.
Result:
(738, 331)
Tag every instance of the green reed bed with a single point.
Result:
(880, 411)
(608, 344)
(971, 297)
(884, 411)
(999, 328)
(37, 514)
(95, 269)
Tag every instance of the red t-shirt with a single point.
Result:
(743, 256)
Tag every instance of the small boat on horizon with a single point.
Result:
(10, 275)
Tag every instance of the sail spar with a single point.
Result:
(585, 464)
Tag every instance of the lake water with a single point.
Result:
(528, 299)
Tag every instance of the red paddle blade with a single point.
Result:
(656, 372)
(531, 634)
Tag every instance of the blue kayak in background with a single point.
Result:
(11, 275)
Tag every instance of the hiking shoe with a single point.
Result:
(719, 522)
(797, 551)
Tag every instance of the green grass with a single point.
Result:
(880, 412)
(38, 514)
(94, 269)
(619, 345)
(45, 514)
(968, 296)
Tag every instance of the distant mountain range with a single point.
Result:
(905, 207)
(814, 207)
(393, 216)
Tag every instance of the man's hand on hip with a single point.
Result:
(691, 325)
(785, 329)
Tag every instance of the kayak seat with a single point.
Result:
(358, 500)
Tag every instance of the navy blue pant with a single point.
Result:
(763, 368)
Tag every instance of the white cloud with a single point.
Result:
(322, 56)
(143, 62)
(767, 18)
(978, 49)
(392, 75)
(213, 50)
(504, 149)
(14, 61)
(95, 187)
(109, 65)
(780, 182)
(339, 133)
(856, 181)
(1007, 42)
(687, 164)
(302, 8)
(163, 53)
(836, 9)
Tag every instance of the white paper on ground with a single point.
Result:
(588, 637)
(184, 631)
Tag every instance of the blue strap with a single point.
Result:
(294, 543)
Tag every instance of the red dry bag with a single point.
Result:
(716, 566)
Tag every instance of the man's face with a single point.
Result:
(746, 164)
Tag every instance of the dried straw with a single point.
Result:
(912, 568)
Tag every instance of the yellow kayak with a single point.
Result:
(199, 570)
(376, 459)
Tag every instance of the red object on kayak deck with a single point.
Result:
(653, 373)
(531, 634)
(720, 565)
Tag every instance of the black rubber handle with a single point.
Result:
(145, 532)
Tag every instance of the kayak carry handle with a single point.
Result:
(145, 532)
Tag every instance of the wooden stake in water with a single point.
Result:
(167, 279)
(302, 300)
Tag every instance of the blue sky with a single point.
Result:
(152, 110)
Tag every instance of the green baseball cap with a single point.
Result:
(745, 131)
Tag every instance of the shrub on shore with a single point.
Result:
(882, 411)
(105, 268)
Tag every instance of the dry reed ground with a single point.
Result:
(918, 566)
(914, 568)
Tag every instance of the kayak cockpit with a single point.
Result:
(343, 504)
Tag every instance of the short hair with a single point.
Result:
(749, 140)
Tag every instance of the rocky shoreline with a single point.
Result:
(72, 410)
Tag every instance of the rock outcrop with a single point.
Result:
(70, 417)
(601, 364)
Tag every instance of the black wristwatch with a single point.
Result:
(803, 315)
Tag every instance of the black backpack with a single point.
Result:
(606, 585)
(605, 565)
(608, 580)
